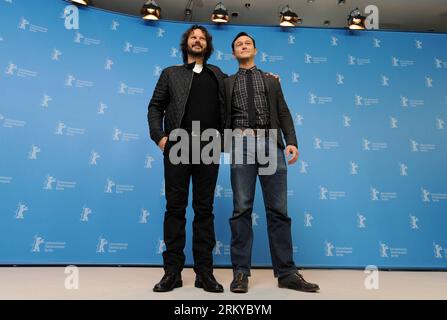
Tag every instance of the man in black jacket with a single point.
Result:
(191, 92)
(256, 106)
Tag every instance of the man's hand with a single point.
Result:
(290, 149)
(162, 143)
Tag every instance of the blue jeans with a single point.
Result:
(274, 189)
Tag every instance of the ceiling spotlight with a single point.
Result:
(288, 18)
(188, 8)
(81, 2)
(355, 20)
(150, 10)
(341, 2)
(220, 14)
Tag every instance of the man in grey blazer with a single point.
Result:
(256, 109)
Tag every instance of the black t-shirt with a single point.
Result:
(203, 102)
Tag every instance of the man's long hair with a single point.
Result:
(209, 43)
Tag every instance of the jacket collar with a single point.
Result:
(190, 65)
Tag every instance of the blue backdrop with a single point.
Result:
(81, 182)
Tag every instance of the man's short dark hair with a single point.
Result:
(240, 34)
(209, 42)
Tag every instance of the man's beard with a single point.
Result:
(195, 53)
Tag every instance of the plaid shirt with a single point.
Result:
(240, 105)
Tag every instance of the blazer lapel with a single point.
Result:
(231, 81)
(271, 103)
(230, 88)
(270, 99)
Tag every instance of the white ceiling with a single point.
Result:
(409, 15)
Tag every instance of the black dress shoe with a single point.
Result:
(207, 282)
(239, 283)
(296, 281)
(169, 281)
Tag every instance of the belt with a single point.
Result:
(248, 132)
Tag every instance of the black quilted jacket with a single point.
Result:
(167, 106)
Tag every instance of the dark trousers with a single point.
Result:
(274, 190)
(177, 179)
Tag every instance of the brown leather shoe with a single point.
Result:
(295, 281)
(239, 283)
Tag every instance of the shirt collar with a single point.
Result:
(243, 71)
